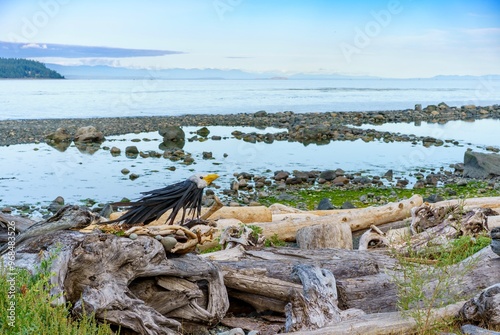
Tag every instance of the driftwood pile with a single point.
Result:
(339, 280)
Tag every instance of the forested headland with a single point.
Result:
(24, 68)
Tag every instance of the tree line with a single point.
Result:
(24, 68)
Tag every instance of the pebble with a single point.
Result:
(133, 236)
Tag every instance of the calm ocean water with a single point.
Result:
(37, 173)
(98, 98)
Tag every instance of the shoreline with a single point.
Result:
(34, 130)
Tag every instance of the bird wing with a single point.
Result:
(156, 202)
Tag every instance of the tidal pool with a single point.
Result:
(38, 173)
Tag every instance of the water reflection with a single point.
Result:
(80, 172)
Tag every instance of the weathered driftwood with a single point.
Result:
(475, 330)
(365, 280)
(484, 308)
(244, 214)
(285, 225)
(131, 283)
(485, 202)
(325, 236)
(436, 226)
(68, 217)
(373, 238)
(317, 305)
(380, 323)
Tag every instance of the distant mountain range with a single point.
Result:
(109, 72)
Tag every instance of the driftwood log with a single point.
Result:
(136, 284)
(130, 283)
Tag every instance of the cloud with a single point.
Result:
(34, 50)
(33, 45)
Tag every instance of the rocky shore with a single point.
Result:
(248, 189)
(302, 127)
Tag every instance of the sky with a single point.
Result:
(396, 38)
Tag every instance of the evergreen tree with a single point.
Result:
(24, 68)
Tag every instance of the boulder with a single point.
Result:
(172, 133)
(88, 134)
(481, 165)
(204, 132)
(325, 204)
(60, 135)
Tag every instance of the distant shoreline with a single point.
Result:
(20, 131)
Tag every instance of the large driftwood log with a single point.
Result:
(131, 283)
(365, 280)
(285, 225)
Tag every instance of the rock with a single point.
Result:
(115, 151)
(340, 181)
(216, 138)
(389, 175)
(168, 242)
(131, 151)
(56, 204)
(7, 210)
(325, 204)
(433, 198)
(418, 107)
(133, 176)
(327, 175)
(125, 171)
(492, 148)
(260, 114)
(172, 133)
(106, 211)
(480, 165)
(207, 155)
(281, 175)
(495, 240)
(60, 135)
(204, 132)
(89, 134)
(347, 205)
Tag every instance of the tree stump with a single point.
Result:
(325, 236)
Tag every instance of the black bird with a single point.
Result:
(183, 195)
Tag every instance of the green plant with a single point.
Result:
(421, 288)
(274, 241)
(31, 302)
